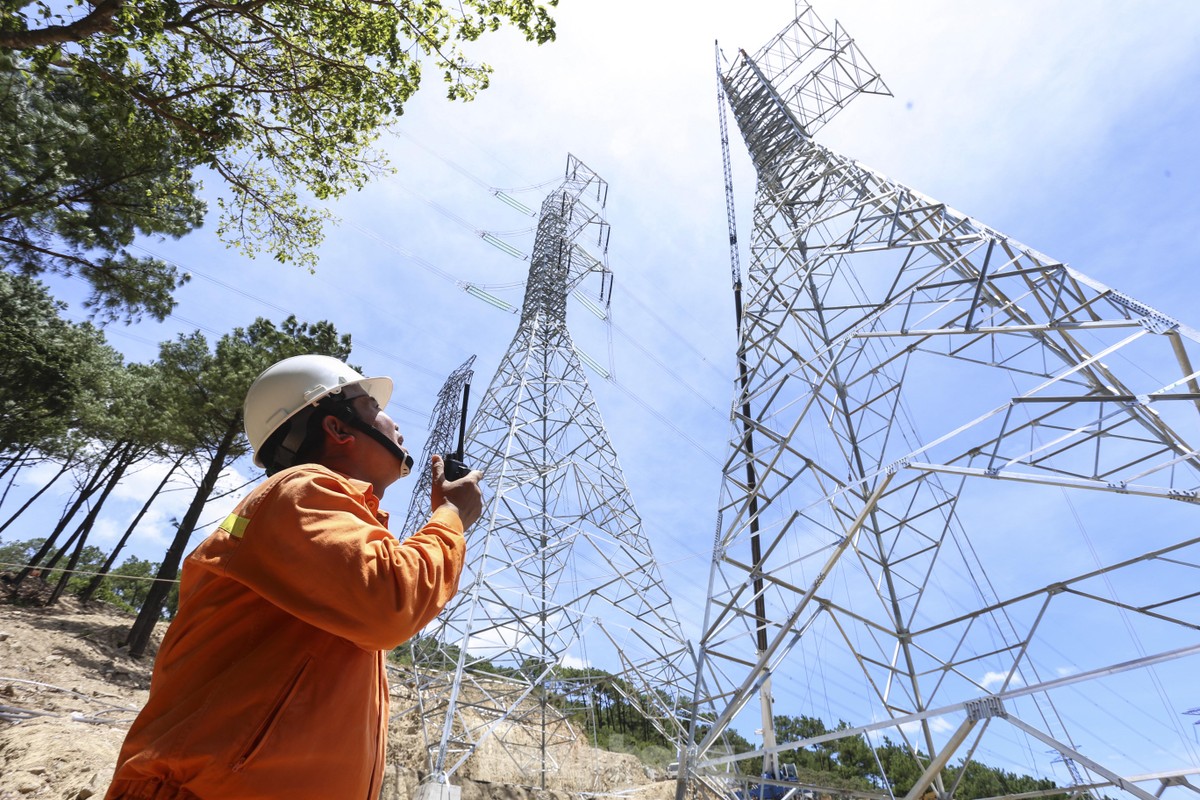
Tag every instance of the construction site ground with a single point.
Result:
(68, 692)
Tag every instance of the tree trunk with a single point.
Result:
(79, 537)
(84, 493)
(85, 528)
(60, 552)
(94, 584)
(151, 611)
(18, 462)
(62, 471)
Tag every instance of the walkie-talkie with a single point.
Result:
(453, 464)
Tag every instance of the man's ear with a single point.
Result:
(336, 431)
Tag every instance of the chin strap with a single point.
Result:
(406, 460)
(284, 455)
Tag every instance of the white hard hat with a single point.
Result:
(289, 386)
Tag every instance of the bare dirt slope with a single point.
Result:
(68, 692)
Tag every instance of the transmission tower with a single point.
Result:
(561, 592)
(443, 423)
(1072, 770)
(926, 409)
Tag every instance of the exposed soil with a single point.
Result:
(68, 692)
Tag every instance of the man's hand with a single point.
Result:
(463, 495)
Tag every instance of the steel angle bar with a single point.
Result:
(1165, 779)
(1147, 607)
(1060, 586)
(1185, 364)
(1142, 610)
(1086, 363)
(838, 611)
(774, 582)
(972, 618)
(1035, 423)
(1125, 301)
(982, 278)
(953, 663)
(727, 614)
(1045, 686)
(1000, 329)
(889, 667)
(995, 360)
(1117, 487)
(938, 762)
(742, 519)
(491, 726)
(1132, 399)
(1087, 431)
(910, 458)
(1084, 306)
(848, 205)
(1117, 780)
(772, 654)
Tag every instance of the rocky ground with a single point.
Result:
(68, 691)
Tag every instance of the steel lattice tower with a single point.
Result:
(443, 423)
(560, 577)
(920, 396)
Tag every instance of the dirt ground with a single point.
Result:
(68, 692)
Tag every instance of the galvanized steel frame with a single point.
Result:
(836, 510)
(559, 567)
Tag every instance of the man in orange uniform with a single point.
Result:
(270, 682)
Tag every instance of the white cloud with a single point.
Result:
(573, 662)
(936, 725)
(139, 483)
(992, 680)
(156, 529)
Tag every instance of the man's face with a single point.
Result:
(380, 461)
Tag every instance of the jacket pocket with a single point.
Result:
(263, 732)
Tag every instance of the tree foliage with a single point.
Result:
(124, 588)
(52, 372)
(852, 763)
(116, 103)
(110, 424)
(81, 179)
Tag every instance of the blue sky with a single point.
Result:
(1069, 126)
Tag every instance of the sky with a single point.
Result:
(1066, 125)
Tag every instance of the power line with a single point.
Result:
(357, 343)
(497, 192)
(665, 421)
(445, 275)
(51, 570)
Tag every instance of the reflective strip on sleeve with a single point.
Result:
(234, 525)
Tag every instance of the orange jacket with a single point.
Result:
(270, 680)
